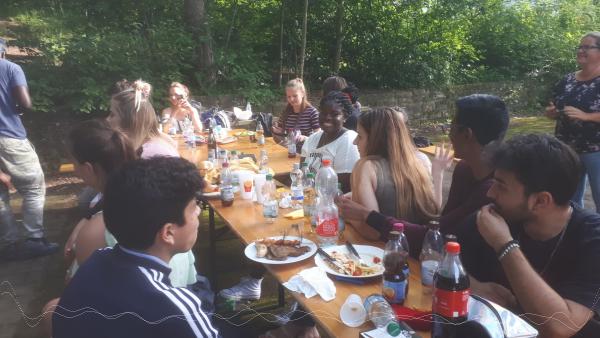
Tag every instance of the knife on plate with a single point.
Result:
(353, 251)
(331, 260)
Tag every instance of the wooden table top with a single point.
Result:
(278, 155)
(246, 220)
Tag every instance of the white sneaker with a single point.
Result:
(247, 288)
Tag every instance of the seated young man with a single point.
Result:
(150, 207)
(533, 241)
(480, 120)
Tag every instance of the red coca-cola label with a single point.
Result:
(450, 304)
(328, 227)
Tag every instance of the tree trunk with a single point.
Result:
(281, 23)
(196, 20)
(232, 25)
(303, 46)
(339, 34)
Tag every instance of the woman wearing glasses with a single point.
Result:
(180, 108)
(576, 109)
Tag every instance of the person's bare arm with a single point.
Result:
(90, 238)
(442, 161)
(364, 183)
(558, 317)
(21, 96)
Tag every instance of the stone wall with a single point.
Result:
(420, 104)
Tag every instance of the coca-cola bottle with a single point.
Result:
(395, 281)
(450, 294)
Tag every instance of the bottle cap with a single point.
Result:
(326, 163)
(398, 226)
(234, 152)
(269, 177)
(453, 248)
(304, 164)
(450, 238)
(393, 329)
(434, 224)
(310, 175)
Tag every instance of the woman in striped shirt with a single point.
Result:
(298, 115)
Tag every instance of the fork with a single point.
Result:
(353, 252)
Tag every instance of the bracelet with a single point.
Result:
(508, 247)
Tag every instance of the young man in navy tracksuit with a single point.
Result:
(150, 207)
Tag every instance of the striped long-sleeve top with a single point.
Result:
(124, 293)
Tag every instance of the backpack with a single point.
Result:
(221, 117)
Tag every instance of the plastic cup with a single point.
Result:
(352, 312)
(246, 179)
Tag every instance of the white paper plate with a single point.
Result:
(250, 252)
(366, 252)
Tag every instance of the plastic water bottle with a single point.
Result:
(304, 168)
(263, 162)
(270, 205)
(382, 315)
(226, 186)
(309, 205)
(327, 212)
(431, 255)
(260, 134)
(248, 106)
(297, 187)
(341, 223)
(291, 143)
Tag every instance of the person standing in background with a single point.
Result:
(21, 168)
(576, 109)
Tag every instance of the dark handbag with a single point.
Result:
(266, 119)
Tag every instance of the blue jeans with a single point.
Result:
(19, 160)
(591, 166)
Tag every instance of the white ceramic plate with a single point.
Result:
(250, 252)
(366, 252)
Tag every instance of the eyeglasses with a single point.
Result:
(586, 47)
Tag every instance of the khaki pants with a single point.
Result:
(19, 160)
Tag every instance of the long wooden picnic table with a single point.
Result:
(246, 220)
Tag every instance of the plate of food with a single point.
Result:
(280, 250)
(348, 266)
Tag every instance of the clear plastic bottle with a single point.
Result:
(431, 255)
(304, 168)
(297, 187)
(310, 203)
(248, 106)
(341, 223)
(260, 134)
(327, 212)
(395, 280)
(226, 186)
(382, 315)
(450, 294)
(263, 162)
(270, 205)
(291, 143)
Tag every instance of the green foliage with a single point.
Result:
(85, 46)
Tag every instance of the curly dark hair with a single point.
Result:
(540, 163)
(486, 115)
(337, 99)
(146, 194)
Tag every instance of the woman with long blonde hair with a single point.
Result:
(132, 112)
(392, 176)
(298, 115)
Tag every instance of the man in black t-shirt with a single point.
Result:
(531, 249)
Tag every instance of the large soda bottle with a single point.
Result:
(431, 255)
(382, 315)
(450, 294)
(296, 187)
(310, 203)
(327, 211)
(226, 186)
(212, 140)
(395, 281)
(399, 227)
(270, 205)
(291, 143)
